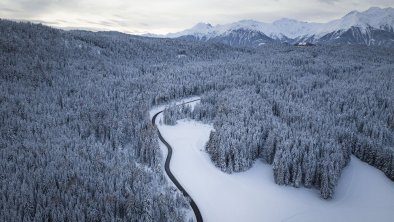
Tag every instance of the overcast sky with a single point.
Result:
(163, 16)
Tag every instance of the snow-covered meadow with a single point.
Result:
(363, 193)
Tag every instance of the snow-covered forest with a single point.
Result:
(303, 111)
(77, 142)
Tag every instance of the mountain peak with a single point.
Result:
(285, 29)
(248, 21)
(374, 17)
(374, 9)
(202, 25)
(354, 12)
(246, 24)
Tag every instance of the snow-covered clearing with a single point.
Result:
(363, 192)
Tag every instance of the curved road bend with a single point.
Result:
(168, 171)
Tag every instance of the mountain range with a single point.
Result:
(374, 26)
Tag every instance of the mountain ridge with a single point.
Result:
(374, 26)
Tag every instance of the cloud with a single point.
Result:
(329, 1)
(35, 8)
(4, 9)
(158, 16)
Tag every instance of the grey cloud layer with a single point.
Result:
(172, 15)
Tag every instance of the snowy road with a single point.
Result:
(168, 170)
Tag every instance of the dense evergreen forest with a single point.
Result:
(305, 111)
(77, 143)
(76, 139)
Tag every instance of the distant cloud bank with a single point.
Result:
(157, 16)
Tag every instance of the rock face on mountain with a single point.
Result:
(374, 26)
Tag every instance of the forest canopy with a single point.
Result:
(77, 142)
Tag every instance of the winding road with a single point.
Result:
(168, 170)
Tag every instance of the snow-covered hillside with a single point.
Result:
(369, 23)
(374, 17)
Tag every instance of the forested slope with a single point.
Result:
(76, 139)
(77, 143)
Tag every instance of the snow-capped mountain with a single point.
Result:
(374, 26)
(375, 18)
